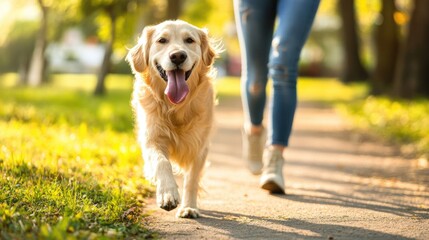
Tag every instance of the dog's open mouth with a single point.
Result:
(177, 89)
(164, 76)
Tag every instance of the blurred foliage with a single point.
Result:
(403, 122)
(213, 14)
(124, 12)
(69, 162)
(63, 15)
(16, 51)
(324, 38)
(17, 47)
(125, 30)
(196, 11)
(218, 17)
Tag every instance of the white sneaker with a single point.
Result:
(253, 148)
(272, 175)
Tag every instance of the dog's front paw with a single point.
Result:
(167, 199)
(187, 212)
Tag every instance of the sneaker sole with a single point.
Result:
(272, 187)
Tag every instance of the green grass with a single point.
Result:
(321, 90)
(402, 122)
(69, 163)
(329, 90)
(68, 99)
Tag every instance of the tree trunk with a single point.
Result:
(412, 76)
(100, 88)
(37, 65)
(174, 8)
(23, 71)
(387, 47)
(353, 69)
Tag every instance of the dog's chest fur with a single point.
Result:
(182, 131)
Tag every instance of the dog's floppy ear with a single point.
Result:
(138, 56)
(209, 53)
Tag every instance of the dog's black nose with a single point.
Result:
(178, 57)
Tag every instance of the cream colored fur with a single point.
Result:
(170, 132)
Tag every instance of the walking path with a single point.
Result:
(338, 186)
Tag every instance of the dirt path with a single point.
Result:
(338, 187)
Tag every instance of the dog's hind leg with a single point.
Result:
(167, 194)
(190, 189)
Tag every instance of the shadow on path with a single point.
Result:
(336, 199)
(244, 226)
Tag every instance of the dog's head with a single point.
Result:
(174, 54)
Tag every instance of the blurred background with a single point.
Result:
(69, 161)
(382, 42)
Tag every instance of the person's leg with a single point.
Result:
(295, 20)
(255, 24)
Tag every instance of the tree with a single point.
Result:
(15, 54)
(387, 47)
(54, 13)
(174, 8)
(353, 69)
(412, 75)
(113, 10)
(37, 65)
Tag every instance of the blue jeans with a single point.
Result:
(269, 51)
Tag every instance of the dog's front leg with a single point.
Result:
(167, 195)
(190, 190)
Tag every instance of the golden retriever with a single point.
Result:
(173, 102)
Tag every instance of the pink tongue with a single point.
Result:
(177, 89)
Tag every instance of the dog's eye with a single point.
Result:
(189, 40)
(162, 40)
